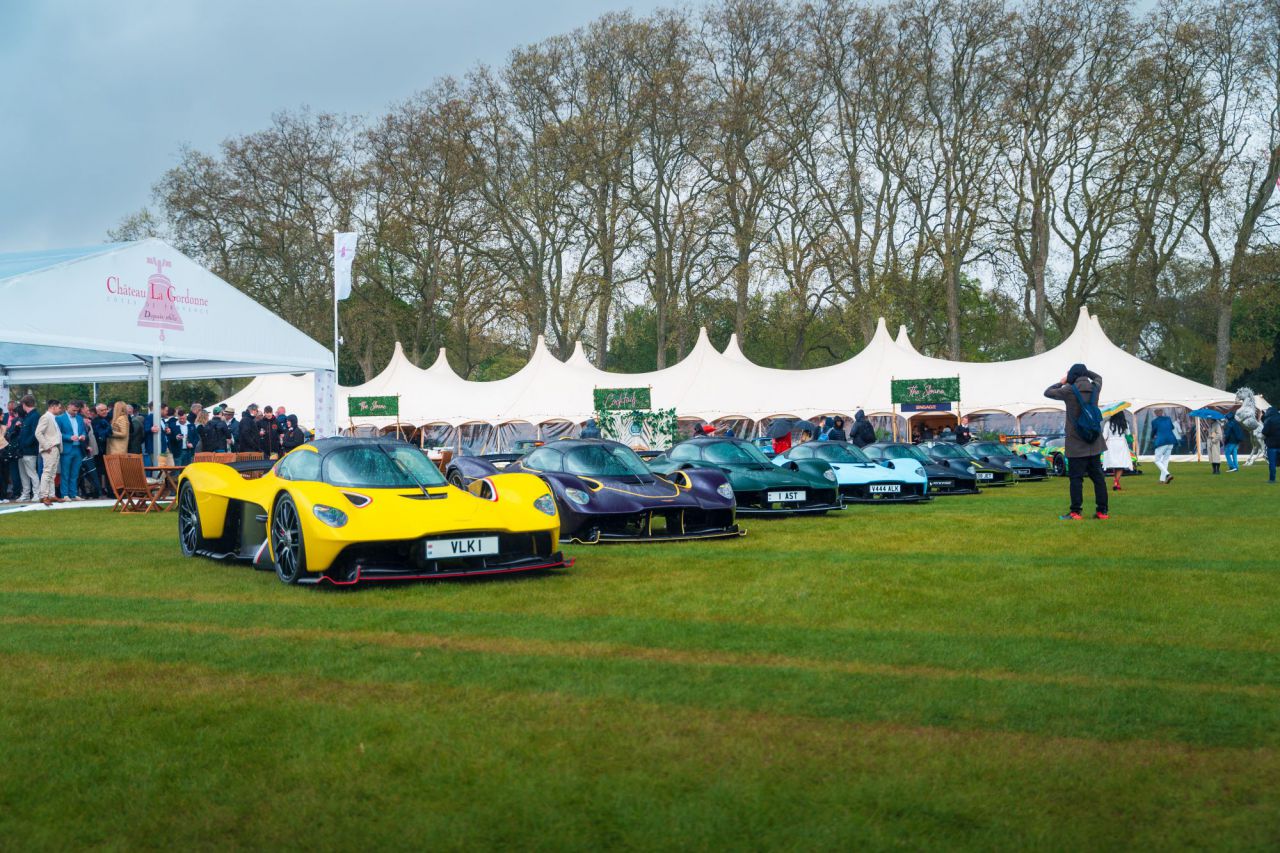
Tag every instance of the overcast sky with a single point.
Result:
(97, 97)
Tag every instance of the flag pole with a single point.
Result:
(335, 314)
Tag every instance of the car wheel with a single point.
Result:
(189, 522)
(455, 479)
(287, 545)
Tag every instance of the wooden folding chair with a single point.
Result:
(214, 457)
(138, 494)
(248, 457)
(112, 461)
(446, 456)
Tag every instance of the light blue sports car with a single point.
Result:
(862, 480)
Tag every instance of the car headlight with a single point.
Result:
(577, 496)
(973, 471)
(830, 475)
(546, 504)
(329, 515)
(725, 491)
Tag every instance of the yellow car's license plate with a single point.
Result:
(473, 546)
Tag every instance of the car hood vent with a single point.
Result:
(429, 496)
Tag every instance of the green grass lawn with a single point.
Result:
(971, 673)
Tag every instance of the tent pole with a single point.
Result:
(153, 392)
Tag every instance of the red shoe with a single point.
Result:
(1071, 516)
(1101, 516)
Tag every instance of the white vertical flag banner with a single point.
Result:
(344, 252)
(326, 386)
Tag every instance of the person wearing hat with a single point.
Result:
(217, 436)
(1084, 457)
(290, 435)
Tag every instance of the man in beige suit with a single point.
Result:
(49, 437)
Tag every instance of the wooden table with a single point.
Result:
(168, 475)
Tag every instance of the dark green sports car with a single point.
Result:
(760, 487)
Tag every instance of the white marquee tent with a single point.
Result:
(134, 311)
(712, 385)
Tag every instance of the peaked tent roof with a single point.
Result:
(123, 304)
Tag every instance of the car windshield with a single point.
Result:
(992, 448)
(380, 466)
(906, 451)
(948, 451)
(838, 451)
(605, 460)
(736, 453)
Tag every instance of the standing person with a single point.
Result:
(291, 436)
(49, 442)
(72, 427)
(269, 434)
(1215, 446)
(589, 429)
(248, 440)
(202, 433)
(863, 433)
(1117, 458)
(837, 430)
(963, 435)
(182, 443)
(155, 423)
(1082, 387)
(216, 435)
(28, 451)
(233, 427)
(10, 428)
(137, 429)
(1164, 435)
(118, 435)
(1232, 435)
(1271, 436)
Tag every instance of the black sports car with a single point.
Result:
(761, 486)
(945, 479)
(954, 456)
(999, 455)
(606, 493)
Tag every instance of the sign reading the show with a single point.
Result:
(373, 407)
(621, 399)
(940, 390)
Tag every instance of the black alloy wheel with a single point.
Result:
(287, 545)
(189, 521)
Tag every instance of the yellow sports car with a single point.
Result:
(345, 510)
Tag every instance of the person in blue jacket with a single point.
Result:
(1164, 435)
(73, 427)
(1232, 435)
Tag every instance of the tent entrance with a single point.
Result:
(928, 426)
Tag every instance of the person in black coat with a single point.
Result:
(269, 434)
(291, 436)
(248, 440)
(836, 433)
(863, 432)
(963, 434)
(1271, 437)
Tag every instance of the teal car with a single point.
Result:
(804, 486)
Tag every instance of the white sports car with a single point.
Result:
(862, 480)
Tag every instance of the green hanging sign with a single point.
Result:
(621, 399)
(373, 407)
(944, 389)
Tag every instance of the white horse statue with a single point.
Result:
(1247, 416)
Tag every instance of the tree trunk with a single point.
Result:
(1039, 260)
(953, 309)
(742, 281)
(1222, 350)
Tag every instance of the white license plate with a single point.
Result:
(785, 497)
(885, 488)
(986, 475)
(447, 549)
(1022, 472)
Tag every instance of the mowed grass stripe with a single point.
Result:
(614, 651)
(467, 768)
(1034, 658)
(1100, 712)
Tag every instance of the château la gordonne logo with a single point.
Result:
(161, 299)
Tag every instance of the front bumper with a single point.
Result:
(406, 560)
(952, 487)
(816, 501)
(655, 525)
(863, 493)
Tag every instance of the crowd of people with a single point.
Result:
(56, 453)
